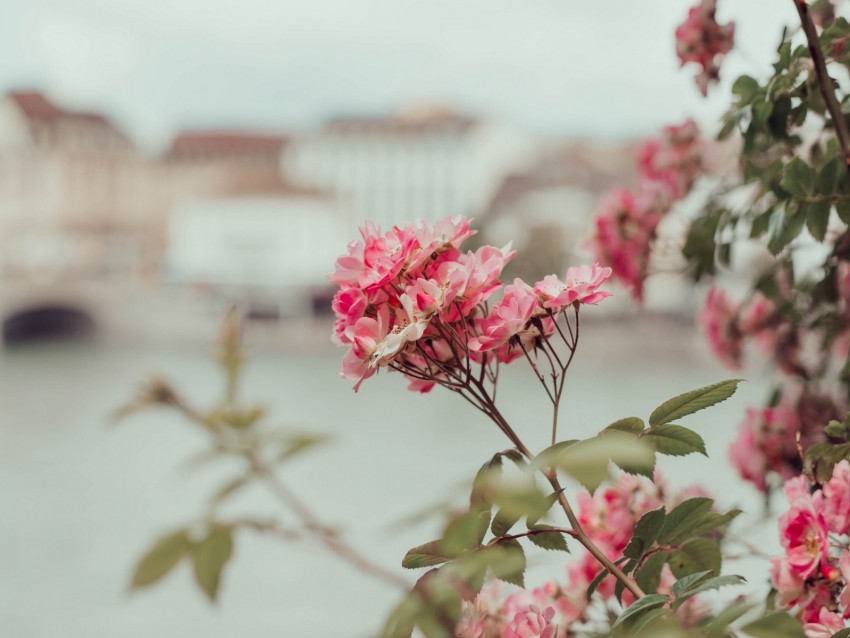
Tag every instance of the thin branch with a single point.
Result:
(327, 536)
(825, 83)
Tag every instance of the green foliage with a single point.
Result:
(640, 607)
(209, 557)
(693, 401)
(161, 558)
(427, 555)
(675, 440)
(551, 540)
(777, 625)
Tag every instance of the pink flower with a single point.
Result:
(531, 623)
(718, 320)
(507, 318)
(844, 570)
(789, 585)
(349, 305)
(828, 623)
(371, 263)
(836, 497)
(701, 40)
(674, 160)
(803, 530)
(579, 286)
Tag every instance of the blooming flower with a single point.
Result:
(531, 623)
(803, 530)
(827, 624)
(579, 286)
(507, 318)
(718, 321)
(836, 499)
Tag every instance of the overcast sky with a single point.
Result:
(602, 68)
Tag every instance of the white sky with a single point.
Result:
(601, 68)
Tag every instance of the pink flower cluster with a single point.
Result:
(609, 518)
(701, 40)
(411, 300)
(627, 222)
(767, 437)
(813, 575)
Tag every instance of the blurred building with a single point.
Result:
(421, 163)
(75, 193)
(547, 209)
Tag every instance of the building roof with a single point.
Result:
(37, 108)
(225, 144)
(418, 120)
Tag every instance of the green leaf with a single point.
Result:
(648, 577)
(745, 87)
(426, 555)
(707, 585)
(533, 517)
(465, 531)
(691, 580)
(799, 178)
(680, 516)
(641, 606)
(695, 555)
(727, 616)
(675, 440)
(229, 489)
(504, 520)
(844, 633)
(486, 480)
(507, 562)
(160, 559)
(842, 207)
(776, 625)
(630, 424)
(548, 540)
(209, 558)
(693, 401)
(645, 532)
(587, 461)
(298, 444)
(817, 219)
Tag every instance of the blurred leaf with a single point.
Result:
(776, 625)
(297, 444)
(507, 562)
(504, 520)
(817, 219)
(229, 489)
(587, 461)
(708, 584)
(426, 555)
(693, 401)
(691, 580)
(680, 516)
(465, 531)
(630, 424)
(160, 559)
(209, 558)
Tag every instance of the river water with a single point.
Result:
(81, 498)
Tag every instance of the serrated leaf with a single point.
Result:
(426, 555)
(776, 625)
(679, 515)
(645, 532)
(693, 401)
(708, 584)
(675, 440)
(695, 555)
(160, 559)
(507, 562)
(209, 558)
(485, 481)
(817, 219)
(553, 540)
(640, 606)
(691, 580)
(648, 577)
(551, 499)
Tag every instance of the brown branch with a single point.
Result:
(825, 83)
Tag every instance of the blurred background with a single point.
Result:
(160, 161)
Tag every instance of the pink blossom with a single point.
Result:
(836, 493)
(675, 159)
(507, 318)
(844, 570)
(789, 585)
(364, 336)
(579, 286)
(371, 263)
(349, 305)
(718, 320)
(531, 623)
(827, 624)
(701, 40)
(803, 531)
